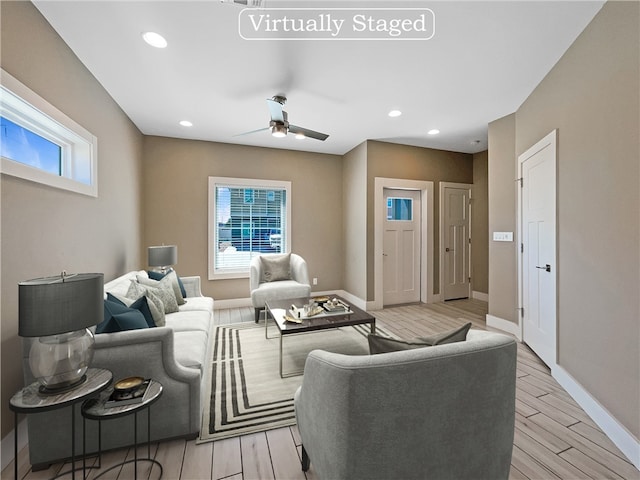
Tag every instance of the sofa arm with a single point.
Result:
(150, 353)
(192, 286)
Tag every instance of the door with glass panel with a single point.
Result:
(401, 246)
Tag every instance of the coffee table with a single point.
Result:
(278, 308)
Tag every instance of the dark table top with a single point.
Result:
(278, 308)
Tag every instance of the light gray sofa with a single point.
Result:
(175, 355)
(441, 412)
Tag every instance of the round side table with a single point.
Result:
(96, 409)
(30, 400)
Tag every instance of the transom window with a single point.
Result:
(246, 218)
(40, 143)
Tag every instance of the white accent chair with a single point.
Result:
(297, 285)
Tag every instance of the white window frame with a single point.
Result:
(79, 148)
(213, 221)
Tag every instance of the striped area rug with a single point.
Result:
(246, 393)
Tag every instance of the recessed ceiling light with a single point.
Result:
(186, 123)
(434, 131)
(395, 113)
(154, 39)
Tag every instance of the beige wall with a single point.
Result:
(46, 230)
(354, 191)
(503, 272)
(176, 211)
(480, 224)
(592, 97)
(391, 160)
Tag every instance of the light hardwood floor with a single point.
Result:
(554, 438)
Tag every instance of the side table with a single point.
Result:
(95, 409)
(30, 400)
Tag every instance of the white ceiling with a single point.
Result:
(483, 61)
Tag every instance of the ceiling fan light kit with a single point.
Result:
(280, 126)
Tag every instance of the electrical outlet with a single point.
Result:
(315, 281)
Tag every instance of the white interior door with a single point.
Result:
(456, 226)
(538, 250)
(401, 246)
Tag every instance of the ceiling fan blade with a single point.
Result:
(252, 131)
(308, 133)
(275, 108)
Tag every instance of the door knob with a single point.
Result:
(448, 249)
(546, 268)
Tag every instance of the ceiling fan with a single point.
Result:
(279, 124)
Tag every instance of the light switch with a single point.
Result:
(503, 236)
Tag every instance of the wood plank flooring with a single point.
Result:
(554, 438)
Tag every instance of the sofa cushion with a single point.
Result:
(197, 303)
(279, 290)
(140, 304)
(190, 348)
(189, 320)
(159, 276)
(450, 336)
(118, 318)
(276, 267)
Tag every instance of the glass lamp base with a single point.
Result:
(59, 362)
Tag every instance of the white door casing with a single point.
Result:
(426, 189)
(537, 231)
(401, 247)
(455, 235)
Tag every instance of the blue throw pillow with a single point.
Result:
(118, 318)
(131, 320)
(159, 276)
(141, 304)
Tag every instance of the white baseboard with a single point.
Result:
(480, 296)
(6, 447)
(504, 325)
(231, 303)
(623, 439)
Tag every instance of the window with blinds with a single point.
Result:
(246, 218)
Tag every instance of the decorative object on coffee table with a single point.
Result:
(280, 310)
(58, 310)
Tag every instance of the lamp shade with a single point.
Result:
(56, 305)
(162, 256)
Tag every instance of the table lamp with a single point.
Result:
(163, 257)
(58, 310)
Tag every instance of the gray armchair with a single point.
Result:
(293, 283)
(441, 412)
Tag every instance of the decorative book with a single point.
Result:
(119, 398)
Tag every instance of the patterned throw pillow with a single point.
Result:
(155, 303)
(158, 276)
(155, 279)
